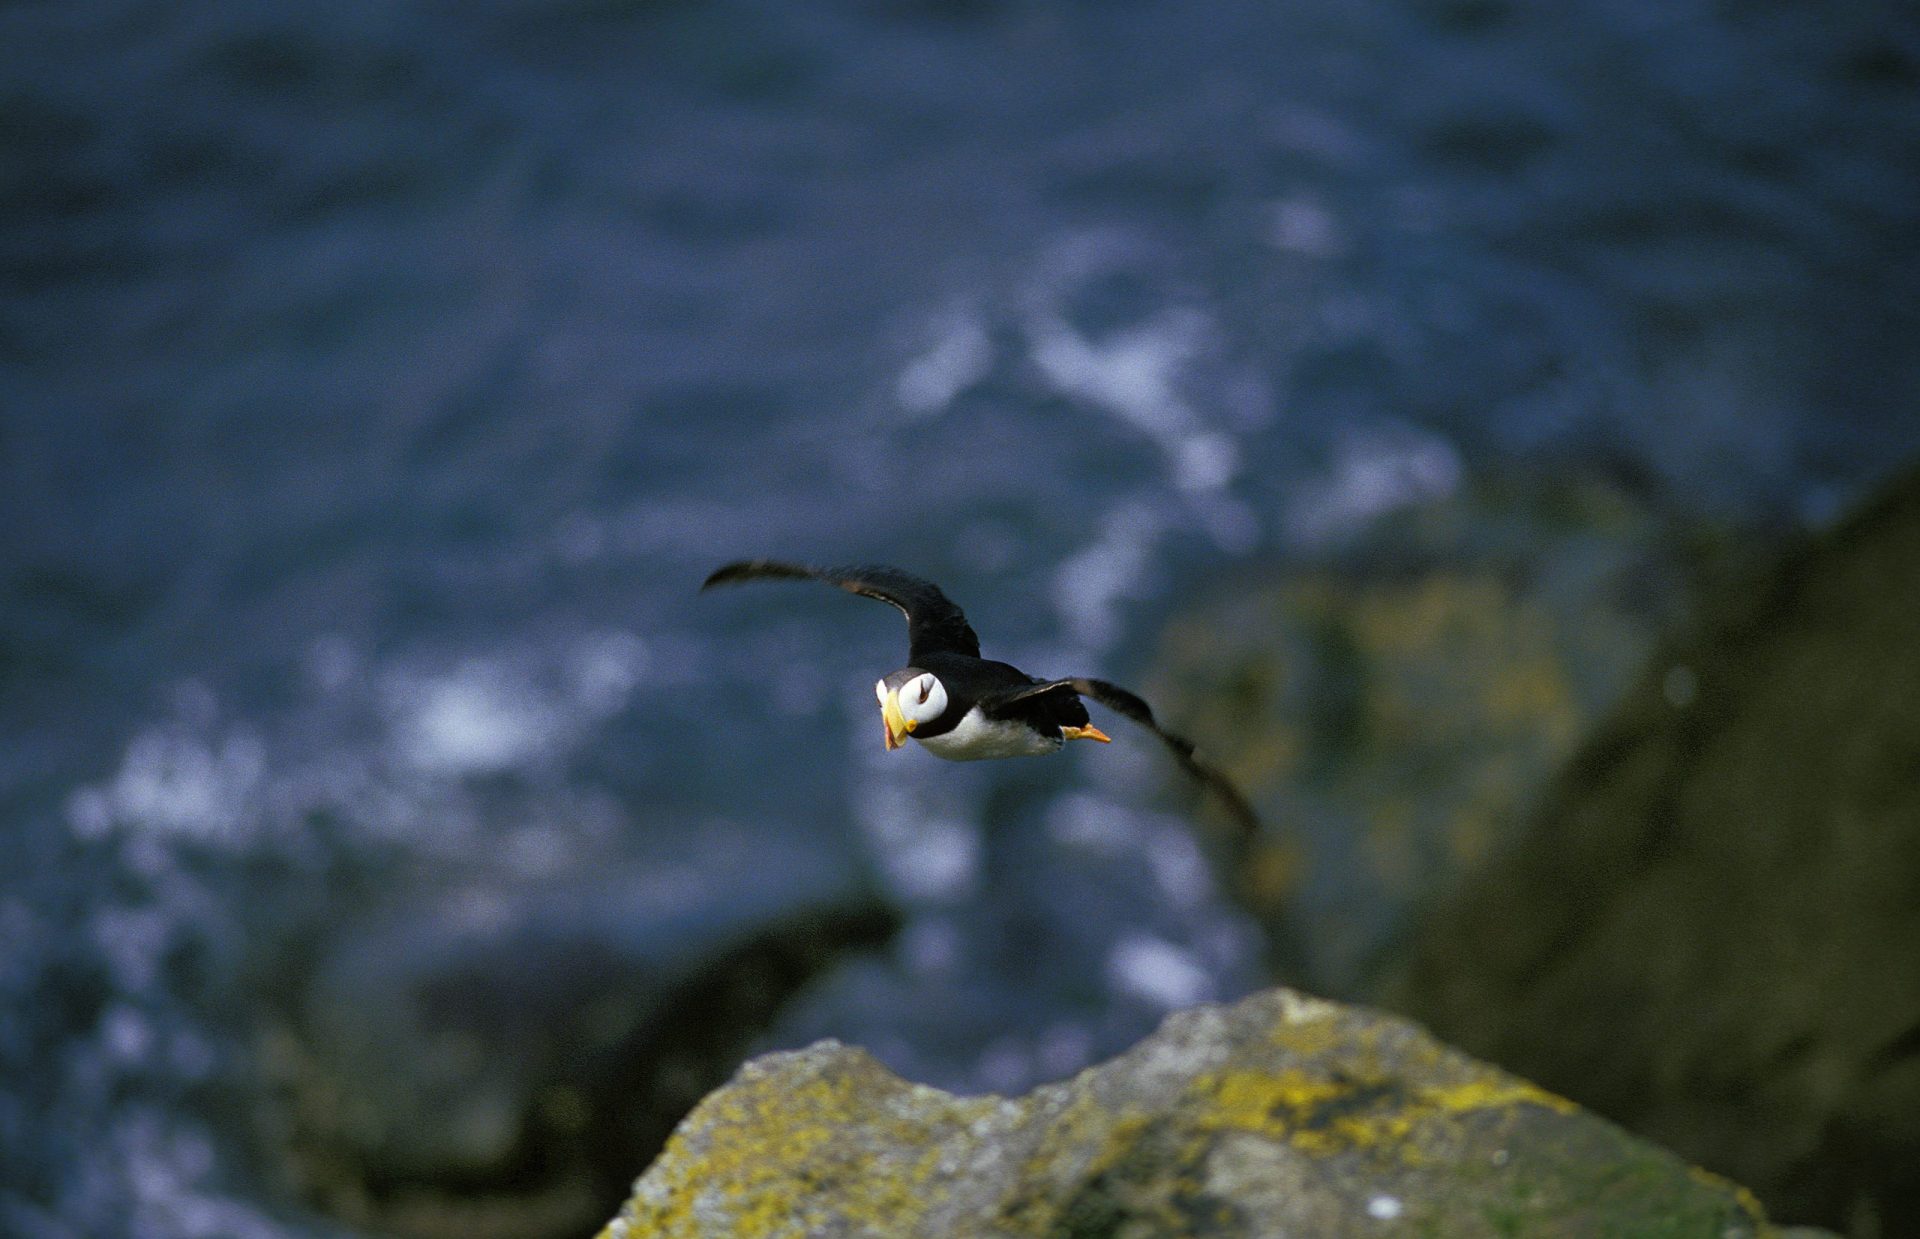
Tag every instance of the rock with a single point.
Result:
(1395, 706)
(1710, 931)
(493, 1063)
(1280, 1115)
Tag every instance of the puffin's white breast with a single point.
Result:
(978, 737)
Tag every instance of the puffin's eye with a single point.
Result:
(880, 691)
(923, 698)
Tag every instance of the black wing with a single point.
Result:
(1120, 701)
(934, 624)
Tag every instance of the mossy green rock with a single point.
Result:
(1280, 1115)
(1394, 708)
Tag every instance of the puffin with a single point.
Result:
(963, 707)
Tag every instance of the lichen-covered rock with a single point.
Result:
(1280, 1115)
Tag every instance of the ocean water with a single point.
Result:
(378, 382)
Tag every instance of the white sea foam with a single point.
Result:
(490, 713)
(195, 778)
(1179, 870)
(1090, 823)
(1162, 844)
(1374, 472)
(1090, 584)
(604, 669)
(1157, 971)
(927, 852)
(1136, 375)
(1139, 373)
(175, 782)
(475, 719)
(167, 1164)
(960, 356)
(127, 1034)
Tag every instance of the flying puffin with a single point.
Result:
(963, 707)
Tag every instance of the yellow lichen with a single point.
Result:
(1310, 1037)
(1748, 1203)
(1319, 1115)
(747, 1144)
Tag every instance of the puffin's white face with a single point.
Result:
(919, 699)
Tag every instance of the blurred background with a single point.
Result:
(395, 841)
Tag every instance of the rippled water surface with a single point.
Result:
(378, 381)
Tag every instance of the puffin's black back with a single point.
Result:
(1048, 712)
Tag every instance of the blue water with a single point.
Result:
(378, 381)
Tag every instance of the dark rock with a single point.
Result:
(1280, 1115)
(495, 1064)
(1711, 933)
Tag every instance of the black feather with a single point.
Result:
(935, 625)
(1122, 701)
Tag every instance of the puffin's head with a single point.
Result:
(909, 698)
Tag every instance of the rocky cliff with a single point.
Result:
(1280, 1115)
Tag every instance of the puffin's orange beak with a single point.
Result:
(899, 726)
(1089, 732)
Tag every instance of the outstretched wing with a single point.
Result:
(934, 624)
(1120, 701)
